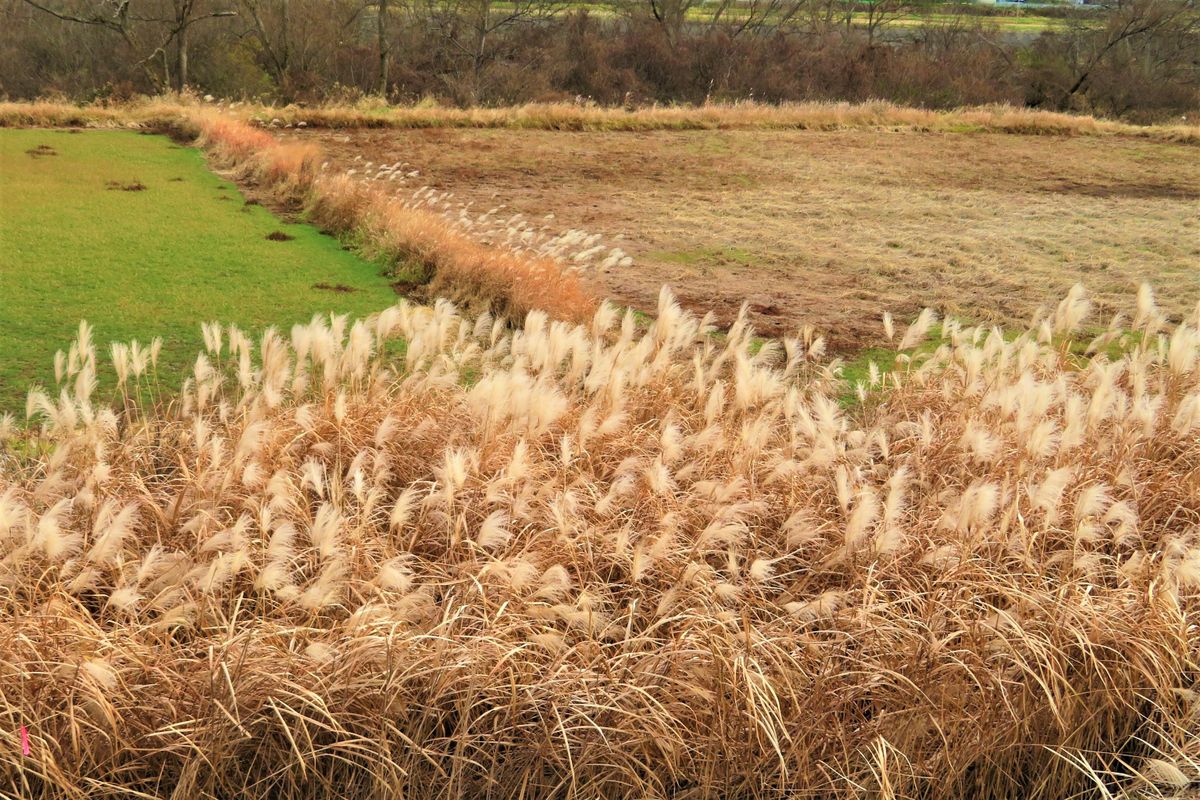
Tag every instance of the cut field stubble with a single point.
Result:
(825, 228)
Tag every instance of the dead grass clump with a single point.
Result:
(279, 236)
(506, 283)
(47, 114)
(231, 140)
(608, 561)
(41, 151)
(287, 171)
(171, 114)
(131, 186)
(291, 168)
(342, 207)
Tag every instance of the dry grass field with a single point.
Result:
(831, 227)
(556, 550)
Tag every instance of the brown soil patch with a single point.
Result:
(132, 186)
(336, 287)
(832, 228)
(279, 236)
(1149, 190)
(415, 289)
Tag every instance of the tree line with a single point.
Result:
(1128, 58)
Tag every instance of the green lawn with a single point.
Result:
(156, 262)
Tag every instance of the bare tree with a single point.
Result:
(1130, 24)
(295, 40)
(186, 15)
(468, 26)
(112, 15)
(822, 17)
(272, 39)
(755, 16)
(166, 27)
(733, 17)
(875, 15)
(672, 15)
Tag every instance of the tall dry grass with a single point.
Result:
(150, 112)
(167, 113)
(499, 279)
(600, 561)
(823, 116)
(286, 171)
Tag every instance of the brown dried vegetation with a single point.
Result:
(426, 554)
(598, 561)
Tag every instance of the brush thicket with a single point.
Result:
(602, 561)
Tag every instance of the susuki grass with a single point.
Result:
(596, 560)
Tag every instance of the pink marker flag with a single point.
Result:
(24, 741)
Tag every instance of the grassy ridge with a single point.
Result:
(735, 116)
(151, 262)
(175, 112)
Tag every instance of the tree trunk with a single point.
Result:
(384, 50)
(477, 66)
(181, 62)
(285, 37)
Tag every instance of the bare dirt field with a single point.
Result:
(832, 228)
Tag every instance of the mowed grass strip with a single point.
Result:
(134, 234)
